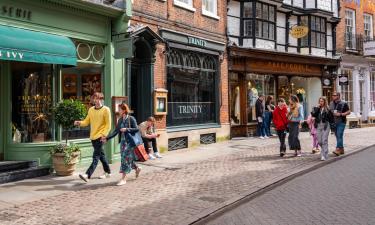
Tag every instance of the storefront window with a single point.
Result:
(256, 85)
(31, 102)
(80, 83)
(192, 88)
(347, 90)
(235, 113)
(372, 91)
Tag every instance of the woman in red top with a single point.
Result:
(281, 122)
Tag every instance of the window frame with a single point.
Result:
(372, 90)
(370, 26)
(347, 90)
(321, 32)
(209, 13)
(189, 6)
(353, 31)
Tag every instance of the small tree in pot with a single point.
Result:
(66, 156)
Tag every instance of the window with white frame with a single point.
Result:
(347, 90)
(367, 21)
(209, 7)
(350, 29)
(184, 3)
(372, 91)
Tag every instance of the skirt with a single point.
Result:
(293, 140)
(127, 158)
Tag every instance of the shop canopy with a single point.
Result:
(30, 46)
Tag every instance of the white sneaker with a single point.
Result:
(157, 155)
(322, 158)
(266, 137)
(261, 137)
(151, 156)
(121, 182)
(105, 175)
(84, 177)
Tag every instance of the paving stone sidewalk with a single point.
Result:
(178, 189)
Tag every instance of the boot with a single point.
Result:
(337, 152)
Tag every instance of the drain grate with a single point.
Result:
(208, 138)
(177, 143)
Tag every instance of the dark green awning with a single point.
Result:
(31, 46)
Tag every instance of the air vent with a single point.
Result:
(177, 143)
(208, 138)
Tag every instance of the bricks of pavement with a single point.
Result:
(177, 196)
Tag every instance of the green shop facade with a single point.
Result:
(52, 50)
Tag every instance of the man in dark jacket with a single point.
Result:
(340, 110)
(259, 112)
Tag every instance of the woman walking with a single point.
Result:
(323, 120)
(296, 117)
(269, 107)
(281, 122)
(125, 124)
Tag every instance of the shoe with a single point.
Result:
(282, 154)
(266, 137)
(157, 155)
(313, 151)
(84, 177)
(151, 156)
(261, 137)
(299, 153)
(121, 182)
(105, 175)
(342, 152)
(137, 171)
(336, 152)
(322, 158)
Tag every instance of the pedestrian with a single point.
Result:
(99, 119)
(259, 112)
(311, 123)
(323, 120)
(126, 124)
(147, 129)
(340, 110)
(269, 107)
(281, 122)
(295, 118)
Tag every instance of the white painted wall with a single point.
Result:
(329, 42)
(310, 4)
(233, 26)
(234, 8)
(335, 8)
(281, 19)
(264, 44)
(248, 43)
(305, 51)
(329, 29)
(288, 2)
(292, 40)
(281, 35)
(235, 40)
(318, 52)
(281, 48)
(298, 3)
(292, 49)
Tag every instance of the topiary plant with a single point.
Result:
(66, 112)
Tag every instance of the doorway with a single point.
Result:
(141, 80)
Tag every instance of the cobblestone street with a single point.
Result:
(341, 193)
(179, 189)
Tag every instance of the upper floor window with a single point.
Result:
(324, 5)
(350, 29)
(263, 22)
(188, 4)
(318, 32)
(367, 21)
(209, 7)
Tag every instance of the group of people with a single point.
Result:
(99, 119)
(323, 119)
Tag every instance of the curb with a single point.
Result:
(215, 211)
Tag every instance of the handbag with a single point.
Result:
(135, 140)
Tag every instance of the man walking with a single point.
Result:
(147, 130)
(99, 119)
(259, 111)
(340, 110)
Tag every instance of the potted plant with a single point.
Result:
(64, 156)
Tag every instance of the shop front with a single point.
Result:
(50, 51)
(193, 73)
(256, 72)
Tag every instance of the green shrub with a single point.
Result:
(67, 150)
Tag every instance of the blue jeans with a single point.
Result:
(267, 122)
(261, 131)
(340, 127)
(98, 155)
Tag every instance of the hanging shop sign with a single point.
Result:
(343, 80)
(123, 48)
(326, 82)
(369, 48)
(299, 31)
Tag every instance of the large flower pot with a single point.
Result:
(60, 167)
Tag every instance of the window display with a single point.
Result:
(80, 83)
(31, 102)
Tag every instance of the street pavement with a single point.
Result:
(340, 193)
(181, 188)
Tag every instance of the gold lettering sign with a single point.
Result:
(283, 68)
(299, 31)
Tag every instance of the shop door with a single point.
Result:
(141, 81)
(362, 99)
(2, 124)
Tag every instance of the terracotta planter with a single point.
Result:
(60, 167)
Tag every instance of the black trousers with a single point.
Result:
(98, 155)
(282, 135)
(154, 145)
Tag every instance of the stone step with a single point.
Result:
(21, 174)
(6, 166)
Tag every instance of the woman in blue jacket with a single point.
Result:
(125, 125)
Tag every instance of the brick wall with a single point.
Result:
(367, 7)
(159, 14)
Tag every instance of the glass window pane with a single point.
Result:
(271, 31)
(80, 83)
(248, 10)
(248, 27)
(265, 12)
(265, 30)
(258, 29)
(271, 14)
(31, 102)
(259, 10)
